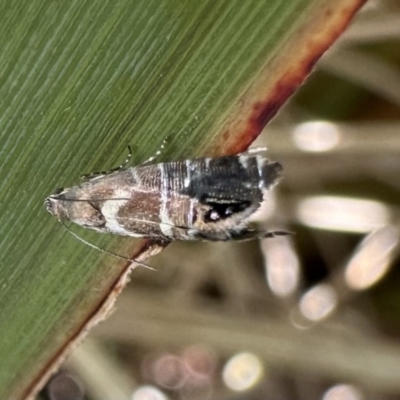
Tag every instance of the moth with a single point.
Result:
(211, 199)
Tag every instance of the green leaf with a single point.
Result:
(80, 80)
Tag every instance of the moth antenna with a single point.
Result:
(102, 173)
(125, 163)
(105, 251)
(158, 152)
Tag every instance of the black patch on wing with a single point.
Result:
(227, 180)
(220, 211)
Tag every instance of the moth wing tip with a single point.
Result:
(271, 172)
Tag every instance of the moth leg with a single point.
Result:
(158, 152)
(272, 234)
(256, 150)
(160, 242)
(249, 234)
(102, 173)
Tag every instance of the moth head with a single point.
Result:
(52, 204)
(65, 206)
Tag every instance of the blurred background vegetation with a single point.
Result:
(312, 316)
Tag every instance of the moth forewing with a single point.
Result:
(201, 199)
